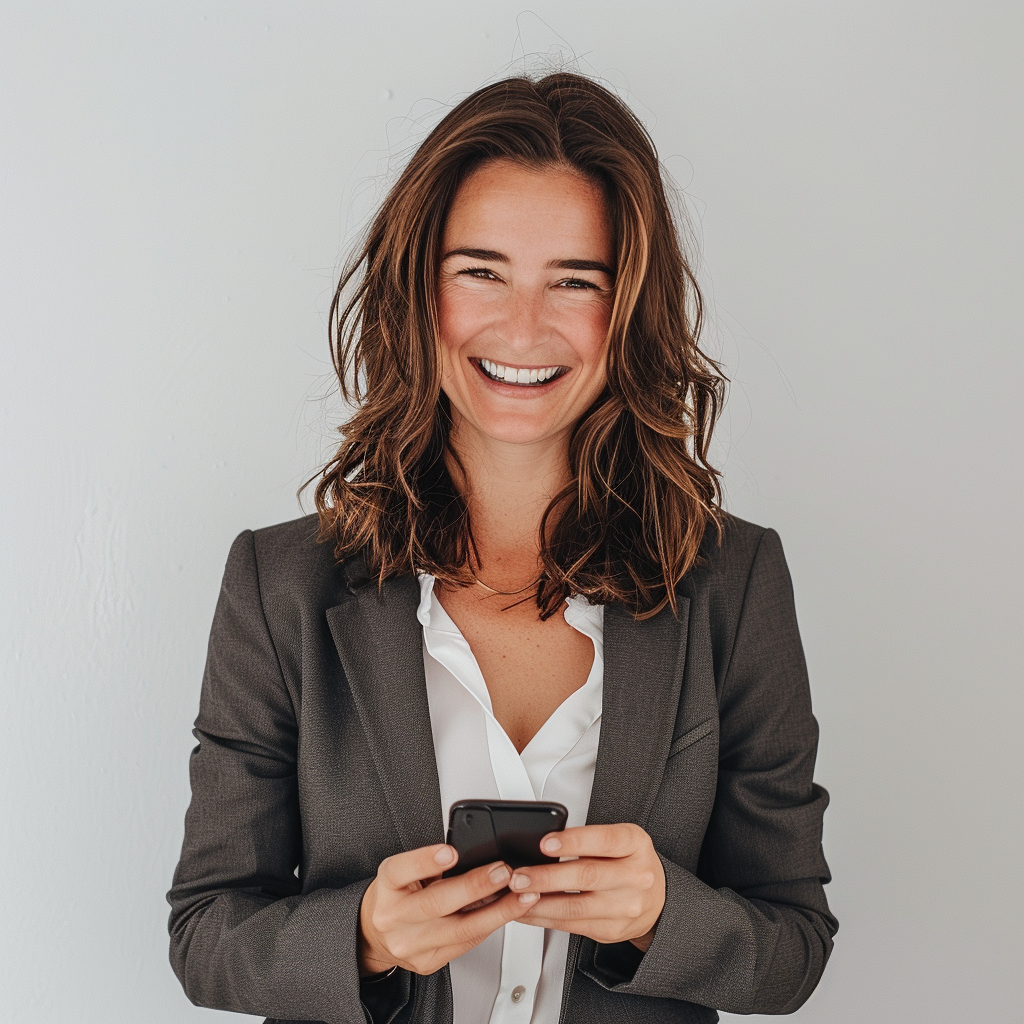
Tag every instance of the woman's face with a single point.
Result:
(524, 302)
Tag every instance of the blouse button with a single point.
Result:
(517, 993)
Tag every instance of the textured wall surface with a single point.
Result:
(179, 182)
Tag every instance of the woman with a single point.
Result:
(519, 584)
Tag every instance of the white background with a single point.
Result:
(179, 182)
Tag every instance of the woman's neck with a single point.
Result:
(507, 488)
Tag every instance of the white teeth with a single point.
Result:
(511, 375)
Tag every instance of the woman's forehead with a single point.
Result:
(536, 207)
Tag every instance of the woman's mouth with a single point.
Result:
(521, 376)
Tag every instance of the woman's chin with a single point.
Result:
(519, 430)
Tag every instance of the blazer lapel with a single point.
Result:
(643, 673)
(380, 645)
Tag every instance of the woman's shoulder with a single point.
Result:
(291, 561)
(728, 555)
(738, 535)
(294, 539)
(732, 542)
(741, 574)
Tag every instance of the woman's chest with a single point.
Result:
(529, 666)
(366, 772)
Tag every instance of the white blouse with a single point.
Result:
(515, 976)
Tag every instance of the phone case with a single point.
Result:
(484, 831)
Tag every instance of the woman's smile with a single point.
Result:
(507, 375)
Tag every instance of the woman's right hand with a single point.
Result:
(413, 918)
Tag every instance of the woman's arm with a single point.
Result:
(751, 931)
(243, 938)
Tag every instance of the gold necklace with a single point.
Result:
(505, 593)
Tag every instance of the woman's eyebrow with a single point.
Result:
(493, 256)
(477, 254)
(597, 265)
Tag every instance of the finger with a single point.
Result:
(595, 841)
(404, 869)
(572, 912)
(452, 936)
(482, 903)
(449, 895)
(470, 929)
(588, 874)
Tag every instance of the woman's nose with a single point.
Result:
(523, 323)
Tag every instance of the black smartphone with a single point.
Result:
(484, 831)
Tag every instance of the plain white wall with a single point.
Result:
(178, 184)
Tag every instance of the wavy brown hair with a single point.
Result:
(629, 524)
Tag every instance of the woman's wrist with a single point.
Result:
(370, 958)
(371, 967)
(370, 979)
(370, 962)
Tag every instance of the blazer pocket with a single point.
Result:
(691, 736)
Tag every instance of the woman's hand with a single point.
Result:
(413, 918)
(615, 891)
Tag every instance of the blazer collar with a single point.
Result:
(380, 644)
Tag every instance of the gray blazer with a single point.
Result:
(315, 761)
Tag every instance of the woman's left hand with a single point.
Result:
(615, 891)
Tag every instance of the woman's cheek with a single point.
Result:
(586, 326)
(460, 320)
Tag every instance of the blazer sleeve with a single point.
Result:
(751, 931)
(243, 935)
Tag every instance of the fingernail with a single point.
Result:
(444, 856)
(529, 897)
(499, 875)
(520, 881)
(551, 845)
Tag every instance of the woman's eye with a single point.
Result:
(578, 284)
(479, 272)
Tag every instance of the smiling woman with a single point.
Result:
(519, 585)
